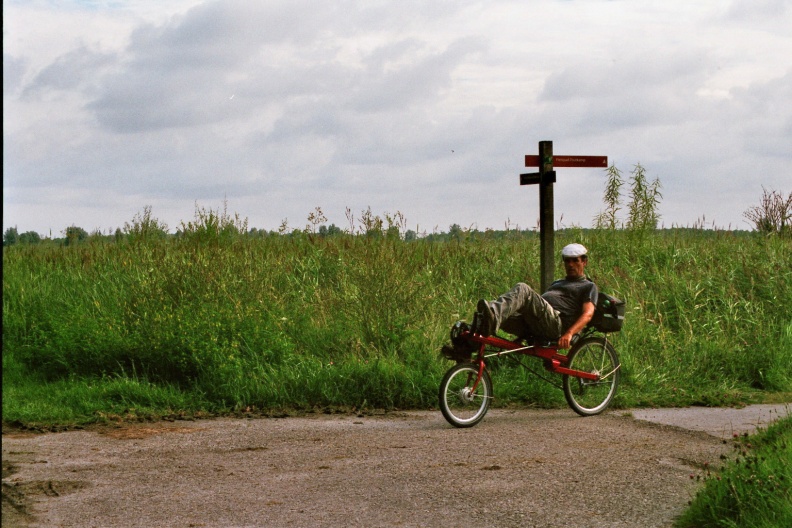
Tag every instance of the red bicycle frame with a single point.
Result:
(553, 361)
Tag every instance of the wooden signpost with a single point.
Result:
(545, 179)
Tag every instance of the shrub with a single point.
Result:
(773, 214)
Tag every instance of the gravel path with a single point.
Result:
(517, 468)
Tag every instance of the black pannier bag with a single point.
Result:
(609, 314)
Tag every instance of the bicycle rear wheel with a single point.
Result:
(460, 403)
(596, 356)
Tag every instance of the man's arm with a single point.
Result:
(580, 324)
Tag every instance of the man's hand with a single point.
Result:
(588, 312)
(565, 340)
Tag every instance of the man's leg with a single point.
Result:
(523, 302)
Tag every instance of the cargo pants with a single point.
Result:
(522, 311)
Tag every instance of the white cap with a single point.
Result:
(574, 250)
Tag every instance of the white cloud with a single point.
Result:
(425, 108)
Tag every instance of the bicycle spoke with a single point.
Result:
(611, 373)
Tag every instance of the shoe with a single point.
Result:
(487, 318)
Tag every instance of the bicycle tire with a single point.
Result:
(595, 355)
(460, 406)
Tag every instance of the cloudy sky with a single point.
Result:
(424, 108)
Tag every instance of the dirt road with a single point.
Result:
(517, 468)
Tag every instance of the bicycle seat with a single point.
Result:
(538, 341)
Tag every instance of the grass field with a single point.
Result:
(216, 320)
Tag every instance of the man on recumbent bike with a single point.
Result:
(559, 314)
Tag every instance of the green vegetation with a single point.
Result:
(754, 490)
(773, 214)
(219, 318)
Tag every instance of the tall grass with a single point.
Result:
(215, 320)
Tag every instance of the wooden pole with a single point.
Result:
(546, 214)
(545, 178)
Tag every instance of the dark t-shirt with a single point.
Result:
(568, 296)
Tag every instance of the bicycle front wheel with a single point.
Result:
(462, 404)
(594, 355)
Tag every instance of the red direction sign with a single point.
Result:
(570, 161)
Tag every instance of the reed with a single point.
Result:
(217, 320)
